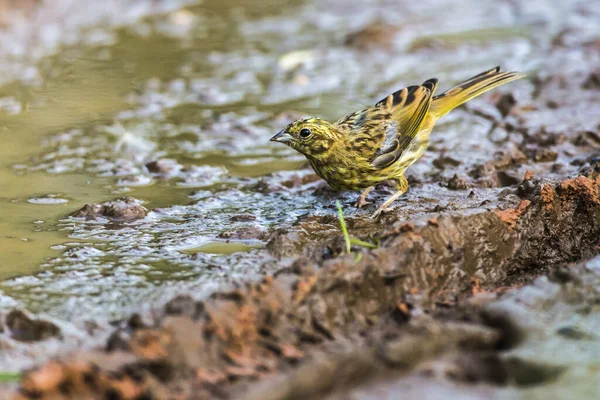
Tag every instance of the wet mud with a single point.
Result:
(192, 259)
(435, 301)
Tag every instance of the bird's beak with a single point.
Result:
(282, 137)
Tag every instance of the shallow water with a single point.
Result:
(205, 86)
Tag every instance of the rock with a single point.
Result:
(243, 218)
(526, 188)
(592, 81)
(505, 104)
(507, 178)
(542, 155)
(266, 186)
(164, 166)
(184, 305)
(456, 183)
(587, 138)
(26, 329)
(123, 209)
(246, 233)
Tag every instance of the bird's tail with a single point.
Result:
(442, 104)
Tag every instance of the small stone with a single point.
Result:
(265, 187)
(26, 329)
(542, 155)
(242, 218)
(505, 104)
(251, 232)
(123, 209)
(456, 183)
(407, 227)
(507, 178)
(526, 188)
(575, 333)
(587, 138)
(372, 36)
(164, 166)
(592, 81)
(556, 168)
(181, 305)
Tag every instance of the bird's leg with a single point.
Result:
(362, 199)
(402, 188)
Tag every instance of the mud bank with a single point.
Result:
(428, 303)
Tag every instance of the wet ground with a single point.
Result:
(157, 116)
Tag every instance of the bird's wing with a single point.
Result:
(381, 133)
(408, 108)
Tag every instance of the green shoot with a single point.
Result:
(350, 241)
(343, 226)
(362, 243)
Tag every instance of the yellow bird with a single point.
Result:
(379, 143)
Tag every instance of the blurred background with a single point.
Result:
(172, 103)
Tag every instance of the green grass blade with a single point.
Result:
(361, 243)
(343, 226)
(9, 377)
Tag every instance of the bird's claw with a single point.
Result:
(361, 202)
(379, 213)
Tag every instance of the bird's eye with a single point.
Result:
(305, 133)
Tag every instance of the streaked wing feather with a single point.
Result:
(409, 107)
(470, 81)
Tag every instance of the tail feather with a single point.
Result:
(473, 87)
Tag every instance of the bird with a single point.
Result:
(379, 143)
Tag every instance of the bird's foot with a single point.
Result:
(361, 202)
(379, 213)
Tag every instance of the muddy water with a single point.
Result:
(201, 88)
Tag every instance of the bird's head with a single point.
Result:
(313, 137)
